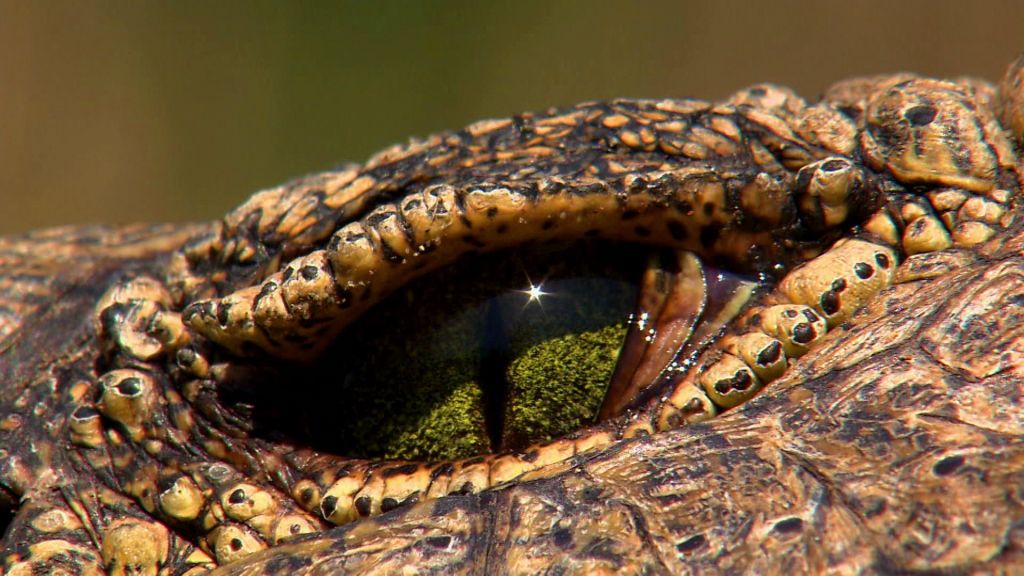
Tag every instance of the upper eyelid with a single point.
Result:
(273, 226)
(706, 201)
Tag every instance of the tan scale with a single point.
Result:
(440, 479)
(927, 123)
(428, 213)
(290, 526)
(85, 427)
(761, 352)
(502, 206)
(882, 226)
(369, 498)
(779, 100)
(949, 220)
(200, 563)
(982, 210)
(469, 476)
(925, 234)
(932, 264)
(948, 199)
(550, 452)
(466, 476)
(830, 183)
(842, 280)
(307, 493)
(359, 261)
(192, 362)
(967, 234)
(686, 404)
(244, 501)
(978, 217)
(135, 335)
(826, 126)
(338, 502)
(234, 311)
(141, 287)
(129, 398)
(729, 381)
(797, 326)
(41, 557)
(135, 548)
(56, 520)
(232, 542)
(182, 500)
(404, 483)
(507, 467)
(837, 283)
(169, 330)
(592, 441)
(912, 208)
(145, 328)
(765, 198)
(142, 486)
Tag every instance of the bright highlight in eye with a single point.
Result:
(535, 292)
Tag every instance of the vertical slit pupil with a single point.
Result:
(493, 381)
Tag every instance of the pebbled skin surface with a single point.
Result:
(893, 446)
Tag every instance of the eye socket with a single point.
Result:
(495, 353)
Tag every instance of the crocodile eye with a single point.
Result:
(494, 353)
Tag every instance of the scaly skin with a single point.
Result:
(891, 442)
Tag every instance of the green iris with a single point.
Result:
(465, 362)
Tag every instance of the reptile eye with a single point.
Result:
(298, 358)
(492, 354)
(258, 382)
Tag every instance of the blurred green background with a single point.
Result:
(118, 111)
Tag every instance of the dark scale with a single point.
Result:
(692, 544)
(130, 387)
(921, 115)
(328, 505)
(830, 302)
(789, 526)
(770, 354)
(804, 333)
(363, 504)
(863, 271)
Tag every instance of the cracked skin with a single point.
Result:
(893, 445)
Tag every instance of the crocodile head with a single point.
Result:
(889, 438)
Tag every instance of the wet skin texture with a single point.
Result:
(894, 444)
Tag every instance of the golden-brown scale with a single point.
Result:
(151, 442)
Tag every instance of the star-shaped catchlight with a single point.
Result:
(534, 293)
